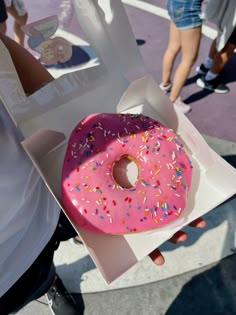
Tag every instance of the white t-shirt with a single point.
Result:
(28, 212)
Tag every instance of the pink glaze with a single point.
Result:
(96, 202)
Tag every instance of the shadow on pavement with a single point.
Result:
(140, 42)
(80, 303)
(79, 56)
(212, 292)
(78, 269)
(197, 96)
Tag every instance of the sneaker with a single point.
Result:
(202, 70)
(166, 88)
(214, 85)
(180, 105)
(59, 299)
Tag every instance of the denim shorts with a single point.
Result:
(185, 14)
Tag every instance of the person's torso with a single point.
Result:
(28, 212)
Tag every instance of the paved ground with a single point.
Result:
(210, 290)
(212, 114)
(207, 291)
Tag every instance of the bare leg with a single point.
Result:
(222, 57)
(190, 41)
(213, 50)
(19, 21)
(3, 27)
(170, 54)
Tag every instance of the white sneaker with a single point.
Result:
(166, 88)
(184, 108)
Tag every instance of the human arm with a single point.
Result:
(31, 73)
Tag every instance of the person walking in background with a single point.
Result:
(16, 9)
(223, 14)
(184, 36)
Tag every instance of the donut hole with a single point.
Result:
(125, 171)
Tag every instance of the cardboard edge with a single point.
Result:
(42, 142)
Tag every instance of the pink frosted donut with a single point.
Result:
(96, 201)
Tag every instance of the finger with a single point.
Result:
(157, 257)
(198, 223)
(178, 237)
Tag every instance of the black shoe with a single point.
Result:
(59, 299)
(202, 70)
(214, 85)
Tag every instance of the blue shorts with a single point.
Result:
(185, 14)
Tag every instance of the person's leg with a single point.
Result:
(211, 81)
(35, 282)
(190, 41)
(170, 54)
(222, 57)
(206, 65)
(41, 277)
(19, 21)
(3, 27)
(213, 50)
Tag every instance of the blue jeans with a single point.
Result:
(185, 14)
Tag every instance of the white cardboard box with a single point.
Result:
(47, 118)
